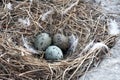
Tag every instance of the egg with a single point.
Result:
(53, 53)
(61, 41)
(42, 41)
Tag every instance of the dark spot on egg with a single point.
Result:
(42, 38)
(41, 43)
(50, 54)
(42, 48)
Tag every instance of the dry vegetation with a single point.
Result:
(81, 19)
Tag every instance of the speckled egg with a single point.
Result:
(61, 41)
(42, 41)
(53, 53)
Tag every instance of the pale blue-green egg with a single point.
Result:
(53, 53)
(42, 41)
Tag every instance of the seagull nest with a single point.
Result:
(22, 20)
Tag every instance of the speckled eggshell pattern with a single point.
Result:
(43, 41)
(53, 53)
(61, 41)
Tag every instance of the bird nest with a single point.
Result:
(21, 21)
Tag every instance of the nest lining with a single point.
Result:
(83, 19)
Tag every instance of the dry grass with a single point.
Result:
(82, 19)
